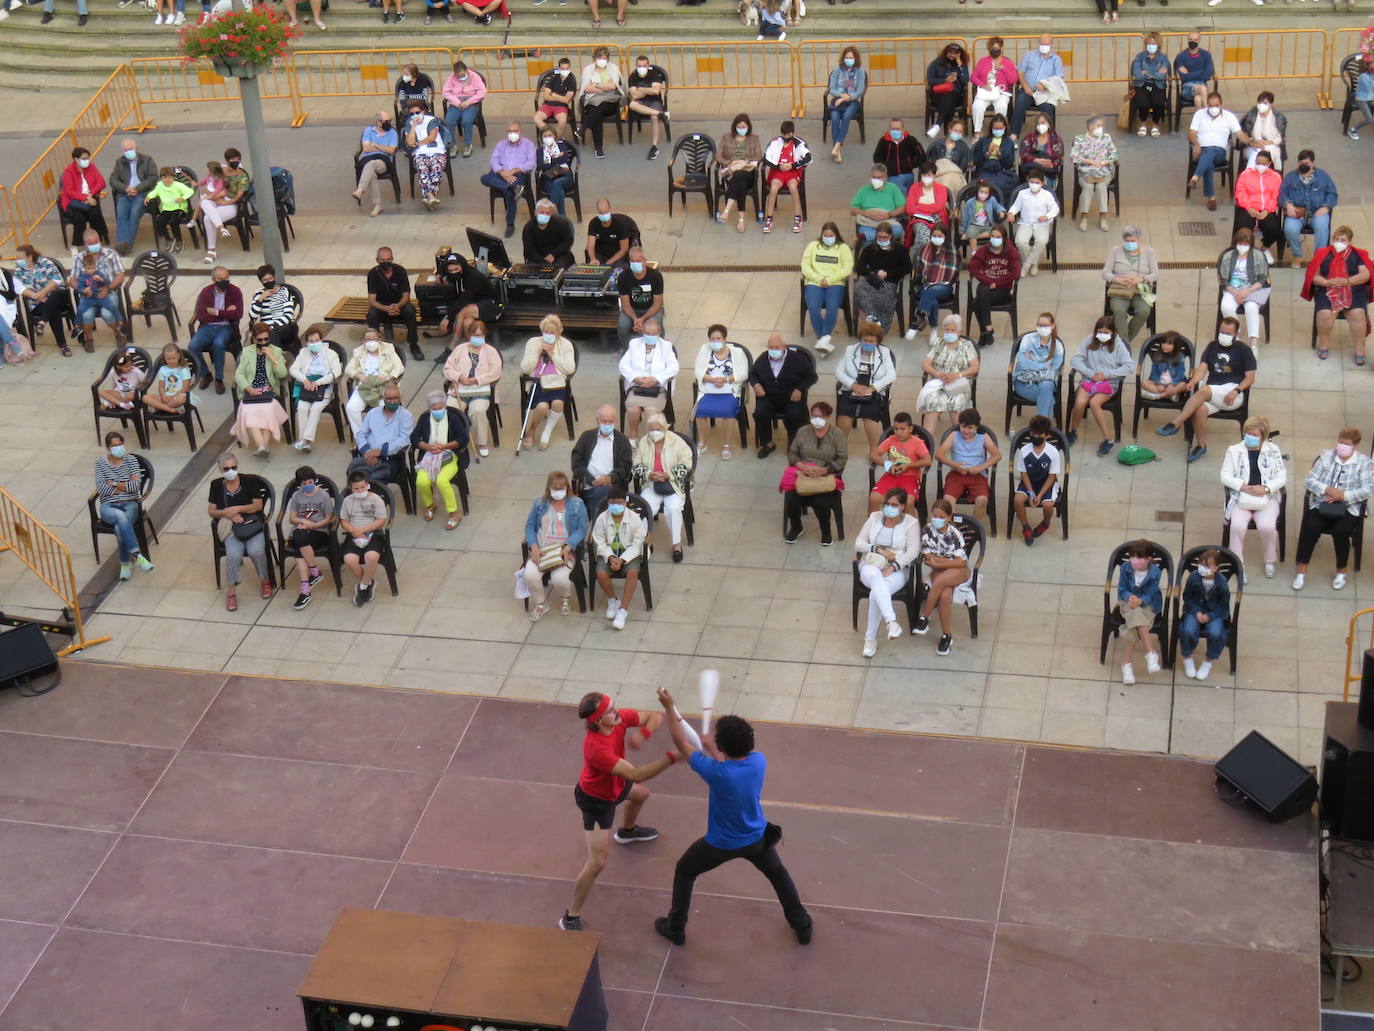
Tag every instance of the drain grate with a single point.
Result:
(1168, 515)
(1197, 229)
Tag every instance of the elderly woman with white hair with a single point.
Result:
(950, 366)
(441, 436)
(1094, 155)
(1131, 272)
(663, 464)
(237, 519)
(548, 361)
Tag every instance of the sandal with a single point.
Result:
(231, 602)
(620, 22)
(452, 523)
(66, 352)
(739, 226)
(564, 608)
(537, 613)
(1323, 354)
(1359, 359)
(429, 513)
(596, 23)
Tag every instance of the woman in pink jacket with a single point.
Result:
(1257, 201)
(472, 371)
(994, 80)
(463, 90)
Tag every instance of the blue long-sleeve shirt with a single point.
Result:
(1148, 592)
(1319, 193)
(1038, 359)
(1036, 67)
(392, 434)
(574, 512)
(1199, 65)
(1214, 604)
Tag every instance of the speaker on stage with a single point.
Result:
(1348, 774)
(24, 655)
(1269, 777)
(1367, 690)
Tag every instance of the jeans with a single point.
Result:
(234, 550)
(80, 6)
(840, 117)
(87, 308)
(823, 303)
(1321, 232)
(510, 192)
(466, 117)
(122, 516)
(1041, 393)
(702, 857)
(128, 211)
(557, 188)
(904, 180)
(1190, 631)
(930, 299)
(1367, 109)
(204, 6)
(1208, 162)
(216, 337)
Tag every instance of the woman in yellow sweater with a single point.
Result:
(825, 267)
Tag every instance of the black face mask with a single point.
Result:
(996, 51)
(220, 284)
(234, 164)
(386, 125)
(385, 266)
(1192, 45)
(1038, 440)
(268, 284)
(1304, 168)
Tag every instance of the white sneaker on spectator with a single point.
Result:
(1338, 581)
(1127, 674)
(1151, 662)
(612, 607)
(870, 647)
(1298, 580)
(894, 630)
(1205, 670)
(1189, 670)
(911, 333)
(620, 618)
(934, 130)
(824, 345)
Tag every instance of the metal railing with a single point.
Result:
(1340, 44)
(517, 69)
(316, 74)
(1355, 644)
(733, 64)
(897, 62)
(175, 80)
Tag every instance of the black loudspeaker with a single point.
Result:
(1367, 690)
(1269, 777)
(1348, 774)
(24, 655)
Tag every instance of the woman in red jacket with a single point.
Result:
(1257, 201)
(82, 188)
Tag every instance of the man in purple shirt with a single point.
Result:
(512, 161)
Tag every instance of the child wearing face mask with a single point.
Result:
(980, 213)
(946, 560)
(1206, 613)
(1140, 600)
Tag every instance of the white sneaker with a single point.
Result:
(870, 647)
(1204, 671)
(1299, 580)
(894, 630)
(1269, 570)
(158, 19)
(1127, 674)
(1151, 662)
(934, 130)
(824, 345)
(1213, 3)
(620, 618)
(911, 333)
(1244, 576)
(1189, 670)
(1338, 581)
(612, 607)
(180, 19)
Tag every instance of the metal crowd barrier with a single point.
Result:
(517, 69)
(1340, 44)
(169, 80)
(35, 192)
(740, 64)
(900, 61)
(359, 73)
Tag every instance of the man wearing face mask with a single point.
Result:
(376, 157)
(556, 91)
(1210, 134)
(878, 201)
(995, 267)
(602, 458)
(382, 440)
(641, 297)
(512, 163)
(132, 176)
(219, 308)
(388, 299)
(780, 378)
(548, 237)
(1195, 70)
(648, 95)
(1041, 71)
(900, 154)
(609, 236)
(1229, 366)
(553, 169)
(1306, 198)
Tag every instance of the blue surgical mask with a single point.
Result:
(868, 348)
(604, 217)
(891, 511)
(475, 341)
(896, 135)
(315, 346)
(20, 263)
(951, 337)
(994, 242)
(884, 244)
(615, 508)
(849, 62)
(94, 248)
(955, 137)
(131, 154)
(1251, 441)
(775, 353)
(1131, 246)
(741, 130)
(636, 267)
(999, 133)
(650, 341)
(116, 450)
(938, 522)
(1151, 48)
(829, 241)
(307, 488)
(542, 218)
(605, 428)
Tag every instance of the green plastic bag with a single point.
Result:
(1134, 454)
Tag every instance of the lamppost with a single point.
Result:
(264, 199)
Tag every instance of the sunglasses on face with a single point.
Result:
(261, 340)
(228, 468)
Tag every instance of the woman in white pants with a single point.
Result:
(1254, 474)
(886, 548)
(373, 365)
(215, 209)
(316, 371)
(995, 79)
(1244, 274)
(472, 371)
(663, 465)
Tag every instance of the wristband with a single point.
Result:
(672, 758)
(647, 732)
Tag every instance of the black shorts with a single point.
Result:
(317, 539)
(875, 407)
(598, 812)
(349, 548)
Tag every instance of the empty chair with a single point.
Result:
(158, 271)
(697, 154)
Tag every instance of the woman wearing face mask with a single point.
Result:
(878, 273)
(1131, 272)
(995, 267)
(947, 77)
(414, 84)
(815, 452)
(1036, 366)
(949, 368)
(1140, 599)
(927, 204)
(737, 156)
(825, 268)
(440, 439)
(42, 288)
(119, 486)
(1337, 281)
(722, 373)
(1093, 155)
(373, 364)
(994, 156)
(864, 372)
(549, 360)
(1307, 196)
(885, 550)
(316, 371)
(935, 271)
(1041, 148)
(995, 79)
(981, 214)
(427, 154)
(954, 149)
(553, 169)
(236, 518)
(472, 371)
(1243, 271)
(663, 468)
(215, 207)
(1254, 475)
(946, 567)
(274, 305)
(79, 197)
(1102, 362)
(1206, 612)
(1257, 202)
(843, 95)
(260, 380)
(554, 531)
(1150, 81)
(602, 89)
(1338, 484)
(1265, 129)
(464, 91)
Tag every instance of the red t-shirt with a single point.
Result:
(600, 753)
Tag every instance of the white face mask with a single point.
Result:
(601, 62)
(1242, 249)
(877, 183)
(1213, 110)
(818, 422)
(1044, 48)
(1097, 130)
(1102, 338)
(558, 495)
(1035, 187)
(938, 241)
(1225, 339)
(926, 180)
(514, 137)
(1044, 331)
(1340, 246)
(1043, 128)
(372, 346)
(548, 141)
(1262, 108)
(549, 338)
(655, 435)
(407, 79)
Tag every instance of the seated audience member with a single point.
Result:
(219, 307)
(1150, 83)
(553, 165)
(512, 164)
(1102, 362)
(173, 208)
(994, 78)
(1306, 197)
(96, 282)
(549, 360)
(935, 269)
(1243, 271)
(428, 152)
(383, 439)
(1254, 475)
(1339, 482)
(1337, 281)
(217, 206)
(904, 459)
(647, 369)
(373, 364)
(864, 374)
(464, 91)
(389, 299)
(1094, 156)
(1364, 96)
(262, 379)
(946, 567)
(948, 78)
(557, 89)
(1034, 211)
(1168, 375)
(780, 377)
(1039, 71)
(548, 237)
(316, 371)
(414, 84)
(602, 90)
(80, 193)
(1140, 599)
(900, 154)
(785, 158)
(241, 527)
(980, 214)
(476, 299)
(844, 93)
(994, 156)
(1039, 360)
(472, 372)
(877, 202)
(131, 178)
(738, 154)
(641, 297)
(274, 306)
(648, 85)
(722, 372)
(826, 265)
(1043, 150)
(555, 529)
(954, 150)
(1228, 364)
(119, 490)
(927, 205)
(1210, 134)
(995, 267)
(620, 537)
(119, 388)
(609, 236)
(170, 391)
(1131, 272)
(310, 512)
(1195, 71)
(1263, 129)
(888, 545)
(951, 365)
(969, 453)
(1257, 202)
(14, 348)
(39, 282)
(441, 435)
(878, 273)
(376, 157)
(1038, 468)
(817, 451)
(1206, 613)
(362, 517)
(602, 458)
(663, 464)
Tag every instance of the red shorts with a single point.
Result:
(786, 178)
(966, 486)
(910, 484)
(552, 110)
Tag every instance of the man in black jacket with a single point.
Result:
(780, 377)
(900, 153)
(601, 459)
(548, 237)
(133, 175)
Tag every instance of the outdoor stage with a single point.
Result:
(176, 845)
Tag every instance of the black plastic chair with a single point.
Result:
(1226, 172)
(67, 225)
(953, 305)
(845, 307)
(390, 174)
(616, 120)
(1281, 527)
(153, 416)
(334, 406)
(633, 503)
(143, 525)
(158, 270)
(742, 418)
(689, 516)
(991, 475)
(668, 411)
(536, 103)
(412, 174)
(569, 406)
(1356, 538)
(578, 575)
(808, 504)
(1112, 619)
(479, 124)
(1010, 307)
(698, 153)
(526, 191)
(463, 458)
(257, 487)
(1052, 245)
(287, 551)
(1061, 503)
(1182, 98)
(1238, 416)
(1229, 566)
(961, 110)
(573, 192)
(245, 217)
(756, 191)
(975, 546)
(796, 187)
(1017, 403)
(1144, 405)
(634, 120)
(142, 362)
(1113, 189)
(858, 118)
(1350, 73)
(1112, 404)
(1240, 313)
(381, 537)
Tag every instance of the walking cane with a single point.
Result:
(526, 421)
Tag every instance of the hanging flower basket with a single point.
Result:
(240, 44)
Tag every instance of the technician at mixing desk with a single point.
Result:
(609, 235)
(548, 237)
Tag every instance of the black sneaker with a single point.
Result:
(386, 17)
(943, 647)
(570, 923)
(400, 17)
(792, 536)
(826, 539)
(629, 835)
(1071, 438)
(81, 19)
(47, 17)
(314, 576)
(416, 353)
(302, 600)
(358, 598)
(653, 153)
(1105, 448)
(600, 154)
(486, 19)
(664, 928)
(987, 339)
(366, 592)
(921, 627)
(804, 934)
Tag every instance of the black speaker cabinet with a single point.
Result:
(1269, 777)
(1348, 773)
(1367, 691)
(24, 655)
